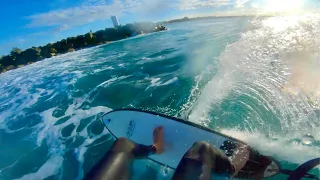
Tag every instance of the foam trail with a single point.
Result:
(81, 150)
(214, 92)
(156, 82)
(187, 107)
(51, 167)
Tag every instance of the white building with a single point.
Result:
(115, 21)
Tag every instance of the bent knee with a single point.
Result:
(123, 139)
(201, 144)
(123, 144)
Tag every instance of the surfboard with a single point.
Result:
(179, 135)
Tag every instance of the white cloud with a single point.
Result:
(240, 3)
(86, 13)
(21, 40)
(195, 4)
(93, 10)
(94, 3)
(255, 6)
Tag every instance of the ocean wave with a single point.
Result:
(267, 83)
(283, 148)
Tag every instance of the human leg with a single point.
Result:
(116, 164)
(200, 161)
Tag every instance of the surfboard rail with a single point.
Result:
(176, 119)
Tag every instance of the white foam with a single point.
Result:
(156, 82)
(215, 91)
(51, 167)
(170, 81)
(103, 69)
(51, 133)
(112, 80)
(82, 149)
(150, 60)
(121, 65)
(281, 147)
(26, 86)
(105, 84)
(195, 92)
(47, 131)
(80, 157)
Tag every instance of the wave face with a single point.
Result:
(267, 90)
(252, 78)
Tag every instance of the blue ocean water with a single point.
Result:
(256, 79)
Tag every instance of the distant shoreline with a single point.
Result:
(19, 58)
(209, 17)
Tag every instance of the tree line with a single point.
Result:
(19, 58)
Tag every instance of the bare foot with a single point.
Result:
(158, 136)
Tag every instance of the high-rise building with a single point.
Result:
(115, 21)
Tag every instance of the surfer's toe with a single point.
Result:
(158, 136)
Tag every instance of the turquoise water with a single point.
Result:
(252, 78)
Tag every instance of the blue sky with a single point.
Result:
(26, 23)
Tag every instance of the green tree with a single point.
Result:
(31, 54)
(53, 50)
(7, 60)
(15, 51)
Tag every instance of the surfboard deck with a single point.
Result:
(180, 135)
